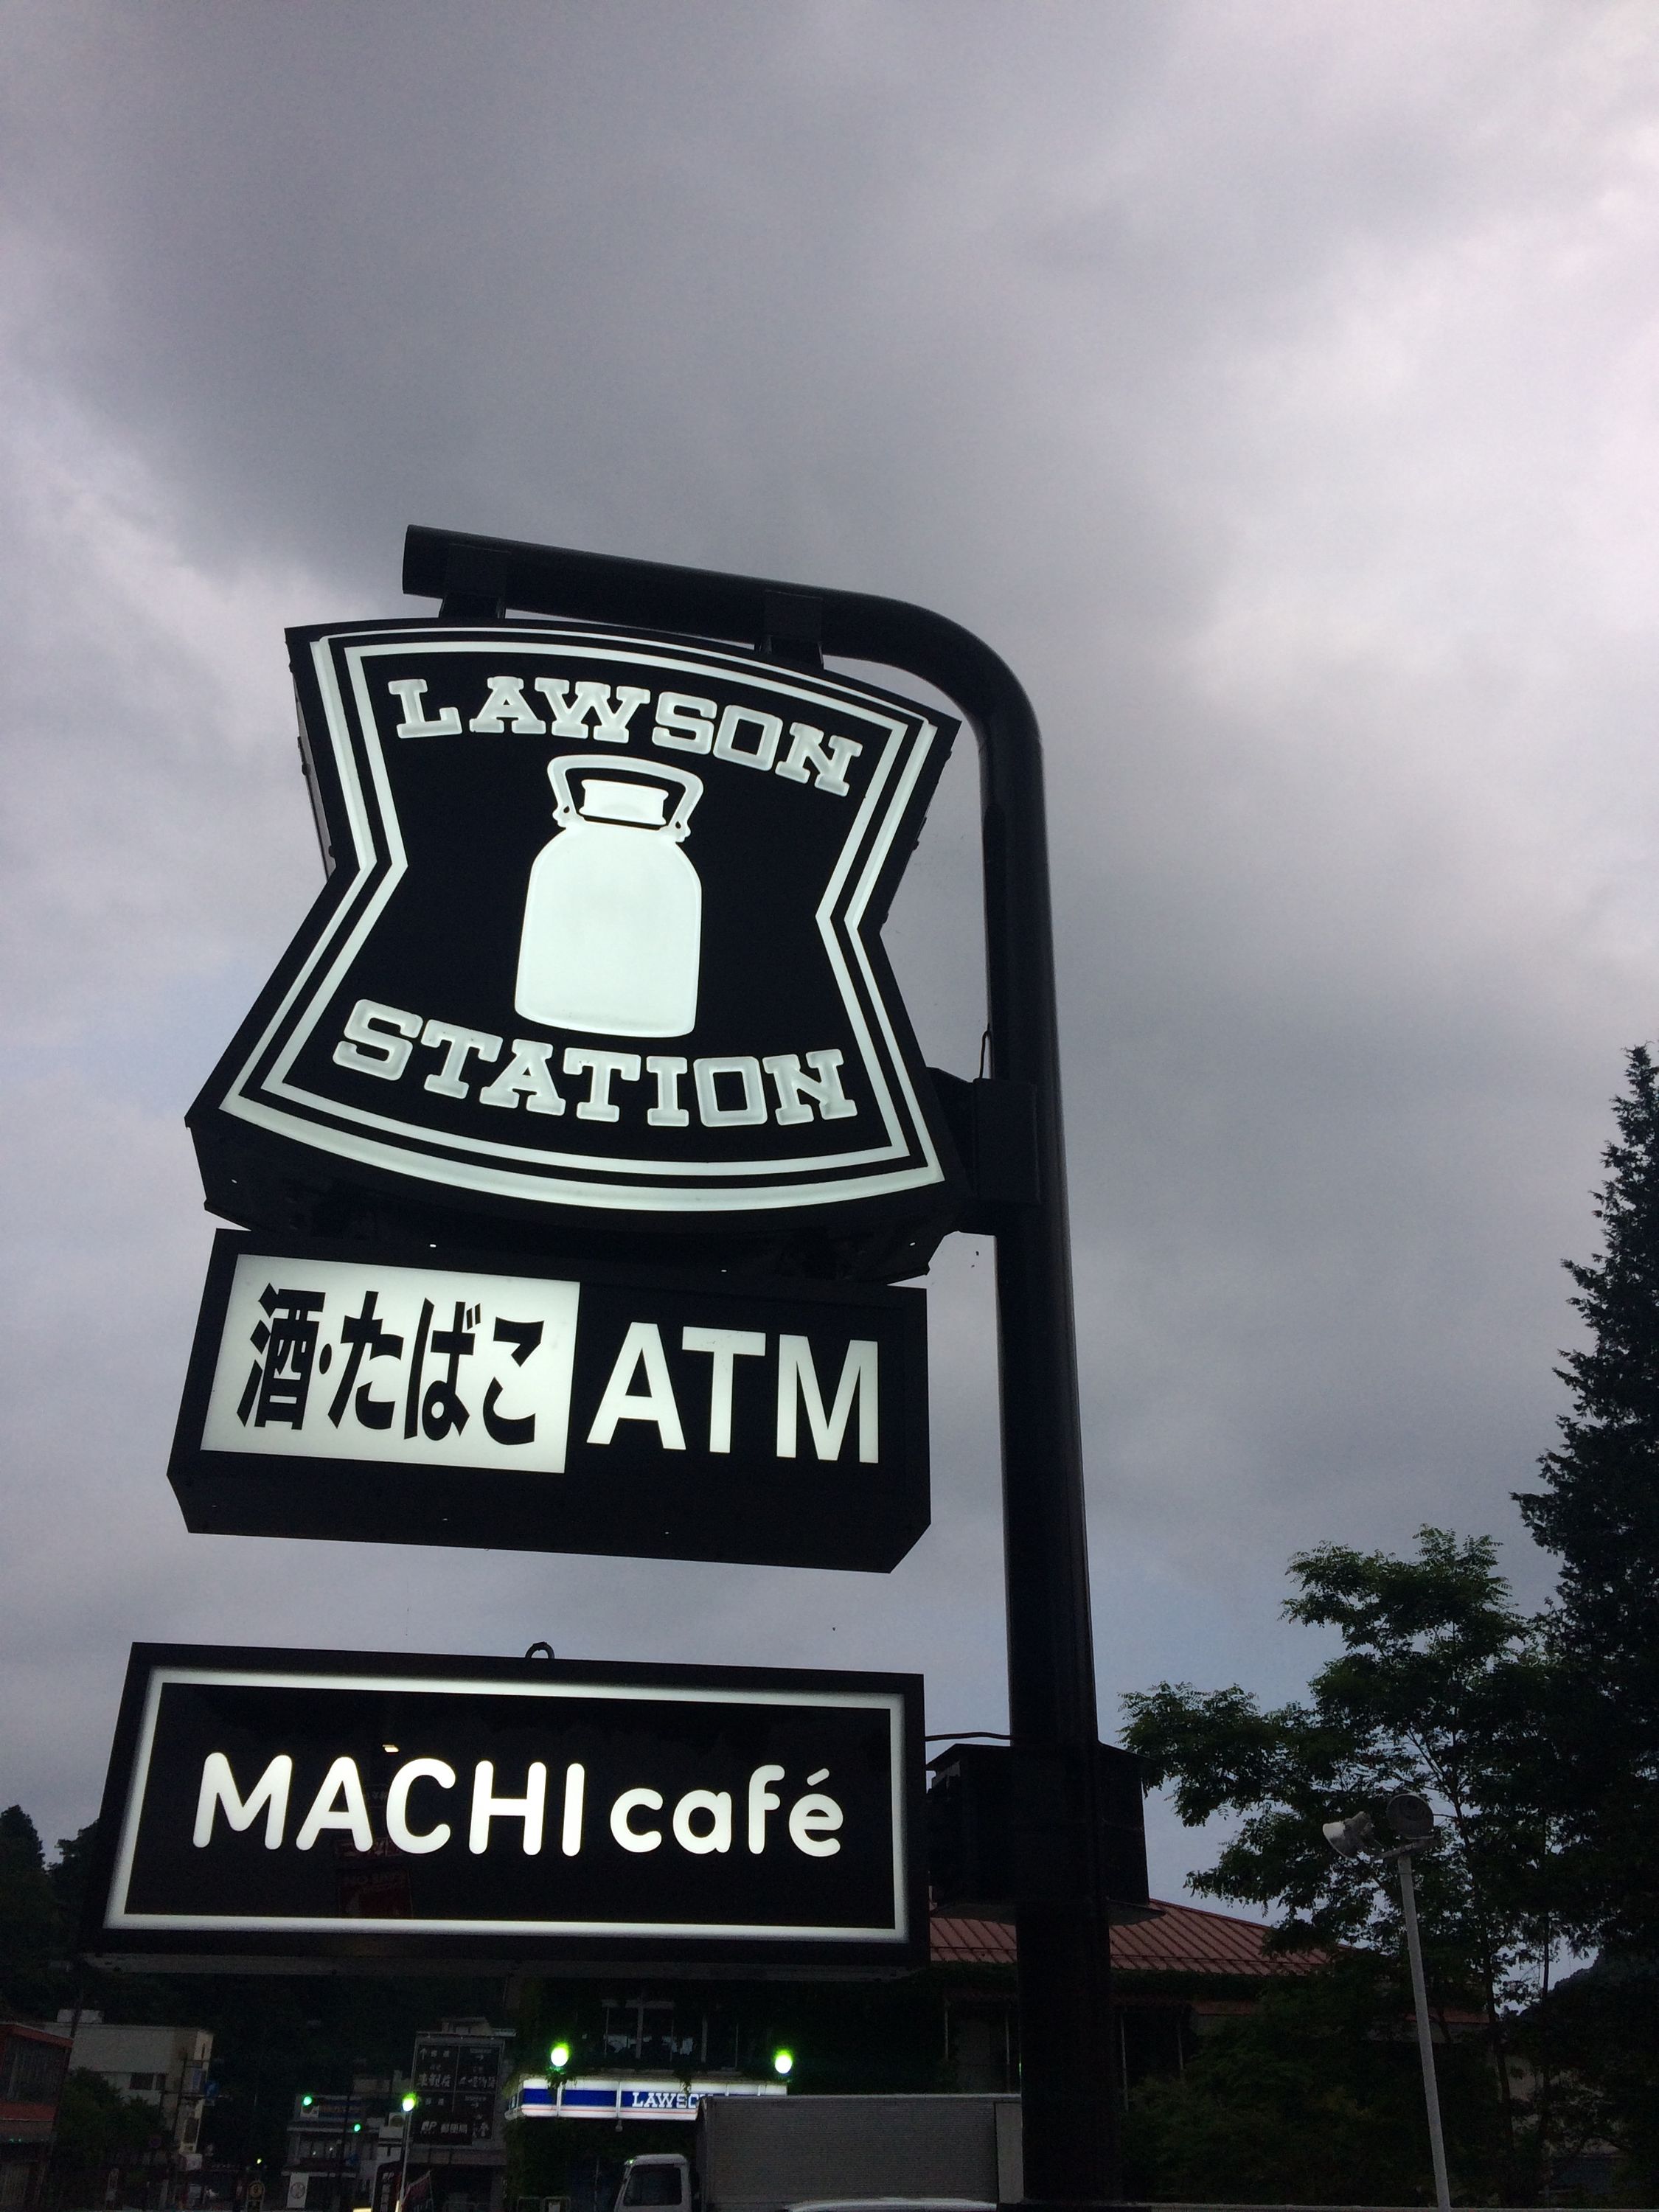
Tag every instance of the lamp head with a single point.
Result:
(1410, 1817)
(1353, 1837)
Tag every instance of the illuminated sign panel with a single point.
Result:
(308, 1809)
(627, 2096)
(424, 1398)
(600, 940)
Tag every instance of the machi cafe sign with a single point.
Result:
(599, 944)
(310, 1809)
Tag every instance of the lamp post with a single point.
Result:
(339, 2154)
(410, 2103)
(1412, 1820)
(347, 2126)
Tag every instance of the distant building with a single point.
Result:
(649, 2051)
(457, 2156)
(165, 2067)
(33, 2061)
(334, 2147)
(1177, 1976)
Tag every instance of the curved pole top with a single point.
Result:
(554, 580)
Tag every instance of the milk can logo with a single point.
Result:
(601, 931)
(613, 921)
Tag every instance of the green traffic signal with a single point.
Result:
(559, 2057)
(783, 2061)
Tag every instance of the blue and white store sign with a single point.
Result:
(624, 2097)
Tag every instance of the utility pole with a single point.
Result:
(411, 2101)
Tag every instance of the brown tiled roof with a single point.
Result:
(1183, 1940)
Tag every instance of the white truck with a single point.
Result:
(763, 2154)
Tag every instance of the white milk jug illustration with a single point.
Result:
(613, 917)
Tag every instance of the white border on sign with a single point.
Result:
(118, 1915)
(467, 1163)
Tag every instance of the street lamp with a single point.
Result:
(1412, 1818)
(347, 2126)
(410, 2103)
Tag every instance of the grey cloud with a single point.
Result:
(1268, 384)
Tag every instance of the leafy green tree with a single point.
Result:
(1599, 1512)
(1315, 2098)
(68, 1874)
(1441, 1686)
(98, 2127)
(1596, 2038)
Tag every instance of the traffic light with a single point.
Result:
(783, 2061)
(307, 2102)
(559, 2057)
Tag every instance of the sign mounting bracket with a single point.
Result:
(793, 629)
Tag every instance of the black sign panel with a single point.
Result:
(424, 1400)
(600, 944)
(458, 2080)
(300, 1810)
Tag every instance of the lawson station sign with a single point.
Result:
(576, 1146)
(599, 944)
(595, 986)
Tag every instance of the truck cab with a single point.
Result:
(659, 2181)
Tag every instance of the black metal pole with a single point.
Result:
(1067, 2083)
(339, 2161)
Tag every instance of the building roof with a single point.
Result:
(1182, 1939)
(36, 2031)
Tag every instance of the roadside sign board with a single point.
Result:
(458, 2079)
(511, 1813)
(599, 944)
(424, 1397)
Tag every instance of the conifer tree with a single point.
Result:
(1599, 1513)
(30, 1930)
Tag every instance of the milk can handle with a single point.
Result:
(565, 807)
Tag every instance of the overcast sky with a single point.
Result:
(1274, 384)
